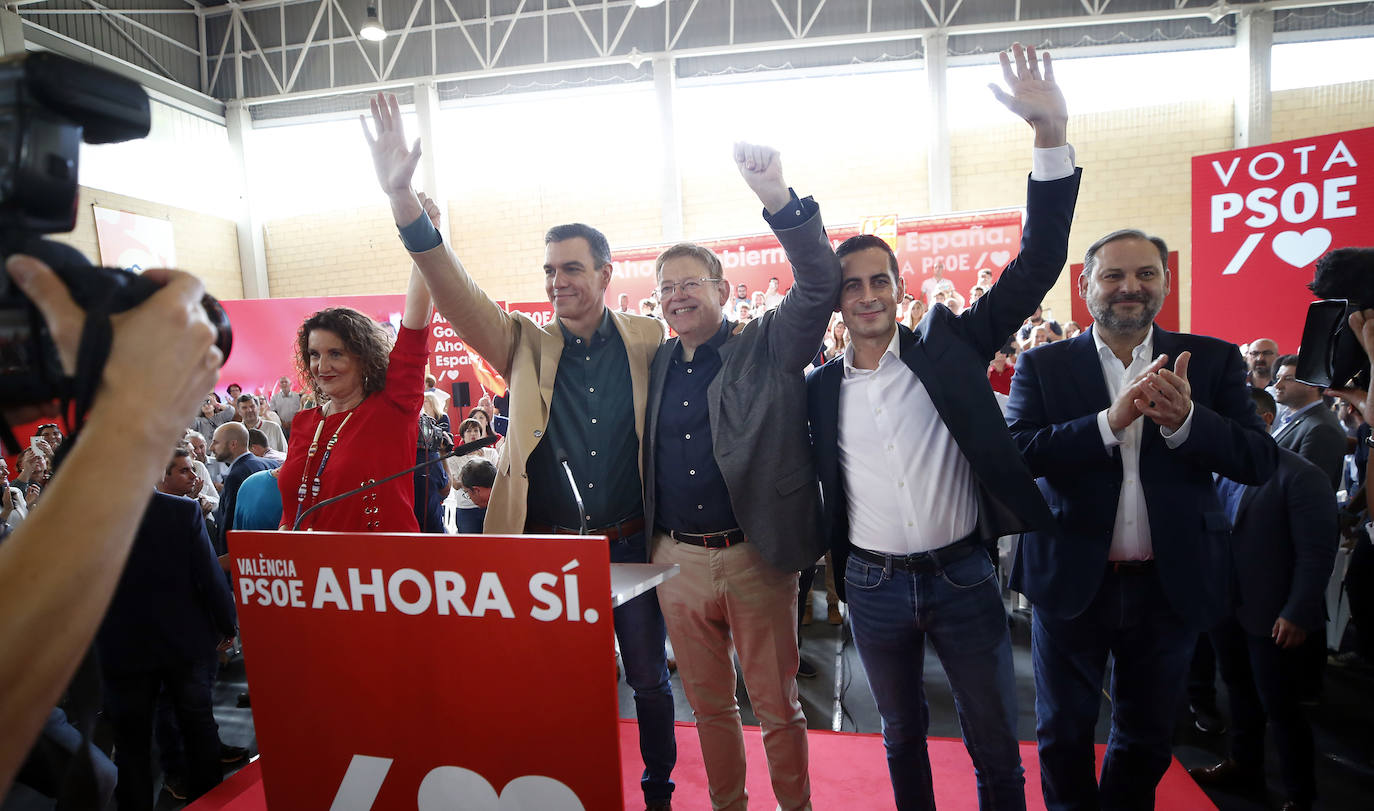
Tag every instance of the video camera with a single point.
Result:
(1331, 355)
(48, 106)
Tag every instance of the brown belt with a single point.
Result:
(614, 531)
(1130, 566)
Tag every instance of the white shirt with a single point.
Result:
(910, 489)
(1131, 533)
(276, 440)
(207, 487)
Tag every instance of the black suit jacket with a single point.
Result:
(243, 467)
(1317, 436)
(172, 605)
(1283, 545)
(1056, 394)
(950, 354)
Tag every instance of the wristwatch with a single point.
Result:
(1369, 441)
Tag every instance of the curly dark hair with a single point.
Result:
(362, 337)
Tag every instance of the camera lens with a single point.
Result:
(224, 332)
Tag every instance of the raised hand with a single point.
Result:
(1168, 395)
(431, 208)
(1034, 95)
(394, 162)
(761, 168)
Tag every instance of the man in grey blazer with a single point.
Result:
(1309, 429)
(730, 489)
(1283, 545)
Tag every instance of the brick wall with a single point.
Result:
(1137, 173)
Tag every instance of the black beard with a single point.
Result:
(1103, 314)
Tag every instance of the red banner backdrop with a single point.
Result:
(1168, 313)
(963, 245)
(1261, 217)
(265, 345)
(440, 650)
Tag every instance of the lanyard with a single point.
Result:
(319, 472)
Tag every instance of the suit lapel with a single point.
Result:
(1246, 496)
(1086, 372)
(637, 352)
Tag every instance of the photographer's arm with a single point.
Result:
(58, 572)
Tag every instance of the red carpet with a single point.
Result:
(848, 771)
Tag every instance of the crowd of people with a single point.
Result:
(897, 434)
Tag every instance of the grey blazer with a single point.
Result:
(757, 406)
(1318, 437)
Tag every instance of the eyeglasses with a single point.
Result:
(689, 286)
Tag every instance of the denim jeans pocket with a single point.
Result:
(862, 575)
(969, 572)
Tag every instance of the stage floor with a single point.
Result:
(848, 770)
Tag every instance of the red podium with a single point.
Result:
(427, 672)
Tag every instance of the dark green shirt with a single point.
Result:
(592, 420)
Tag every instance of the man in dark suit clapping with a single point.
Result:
(1283, 545)
(1124, 449)
(170, 612)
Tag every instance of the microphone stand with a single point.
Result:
(460, 450)
(577, 495)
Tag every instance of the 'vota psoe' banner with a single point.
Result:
(962, 245)
(1261, 217)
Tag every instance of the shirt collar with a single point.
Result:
(603, 333)
(715, 342)
(892, 350)
(1294, 414)
(1145, 348)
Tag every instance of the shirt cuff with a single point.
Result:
(1110, 439)
(421, 235)
(1175, 438)
(796, 212)
(1055, 163)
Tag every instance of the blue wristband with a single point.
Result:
(421, 235)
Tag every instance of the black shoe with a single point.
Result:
(805, 670)
(1207, 718)
(243, 701)
(232, 754)
(1227, 774)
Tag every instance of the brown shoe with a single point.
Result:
(1227, 774)
(832, 614)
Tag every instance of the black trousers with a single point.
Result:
(1265, 683)
(130, 705)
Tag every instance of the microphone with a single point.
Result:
(460, 450)
(562, 457)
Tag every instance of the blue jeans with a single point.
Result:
(639, 629)
(1131, 619)
(959, 608)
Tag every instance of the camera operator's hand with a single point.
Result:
(166, 345)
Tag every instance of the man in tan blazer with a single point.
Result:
(575, 386)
